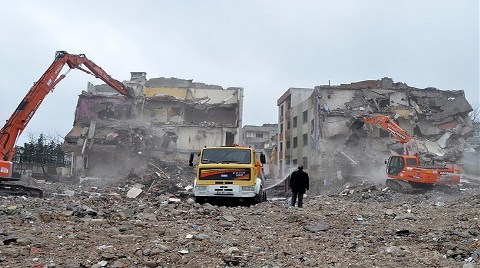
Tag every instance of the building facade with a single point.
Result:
(258, 136)
(168, 117)
(293, 117)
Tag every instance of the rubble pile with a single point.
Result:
(98, 225)
(344, 148)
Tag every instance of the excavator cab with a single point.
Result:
(395, 165)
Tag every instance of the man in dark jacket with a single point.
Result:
(299, 183)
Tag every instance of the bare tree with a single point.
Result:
(475, 114)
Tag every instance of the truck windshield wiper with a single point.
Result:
(208, 161)
(230, 161)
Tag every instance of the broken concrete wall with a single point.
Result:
(93, 107)
(179, 93)
(169, 116)
(335, 125)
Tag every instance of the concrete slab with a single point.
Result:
(433, 148)
(442, 142)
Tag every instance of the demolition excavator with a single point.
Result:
(14, 126)
(405, 172)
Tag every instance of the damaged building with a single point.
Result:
(257, 136)
(167, 117)
(324, 131)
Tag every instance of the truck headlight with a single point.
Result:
(201, 188)
(248, 188)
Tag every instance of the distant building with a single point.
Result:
(474, 141)
(257, 136)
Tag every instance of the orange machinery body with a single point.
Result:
(404, 167)
(31, 102)
(407, 167)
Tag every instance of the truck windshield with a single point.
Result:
(226, 155)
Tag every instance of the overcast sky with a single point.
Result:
(265, 47)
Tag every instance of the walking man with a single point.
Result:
(299, 183)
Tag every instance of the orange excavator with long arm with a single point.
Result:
(29, 105)
(405, 172)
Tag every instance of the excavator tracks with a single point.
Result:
(19, 190)
(407, 187)
(404, 187)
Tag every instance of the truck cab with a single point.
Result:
(232, 172)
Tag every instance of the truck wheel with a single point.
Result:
(200, 200)
(258, 197)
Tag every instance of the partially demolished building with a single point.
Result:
(168, 116)
(329, 140)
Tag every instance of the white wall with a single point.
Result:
(337, 99)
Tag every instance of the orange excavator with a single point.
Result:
(29, 105)
(405, 172)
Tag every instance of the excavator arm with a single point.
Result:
(402, 136)
(389, 125)
(30, 103)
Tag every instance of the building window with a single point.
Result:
(305, 139)
(288, 124)
(305, 116)
(288, 144)
(281, 146)
(476, 133)
(287, 161)
(250, 135)
(259, 135)
(295, 142)
(294, 162)
(294, 122)
(281, 110)
(305, 162)
(289, 104)
(281, 127)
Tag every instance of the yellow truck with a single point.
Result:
(229, 172)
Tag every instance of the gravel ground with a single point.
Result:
(95, 225)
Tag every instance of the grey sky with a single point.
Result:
(263, 46)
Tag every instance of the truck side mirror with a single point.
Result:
(190, 161)
(262, 158)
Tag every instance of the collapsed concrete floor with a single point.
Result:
(345, 149)
(147, 219)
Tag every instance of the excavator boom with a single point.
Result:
(389, 125)
(24, 112)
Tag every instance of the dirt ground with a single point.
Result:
(94, 224)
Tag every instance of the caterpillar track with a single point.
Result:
(407, 187)
(19, 190)
(403, 187)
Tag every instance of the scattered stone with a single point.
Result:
(319, 227)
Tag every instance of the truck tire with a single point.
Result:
(200, 200)
(258, 197)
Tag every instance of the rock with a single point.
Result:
(405, 216)
(134, 192)
(229, 218)
(319, 227)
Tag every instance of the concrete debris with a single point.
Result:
(371, 226)
(134, 192)
(442, 142)
(438, 119)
